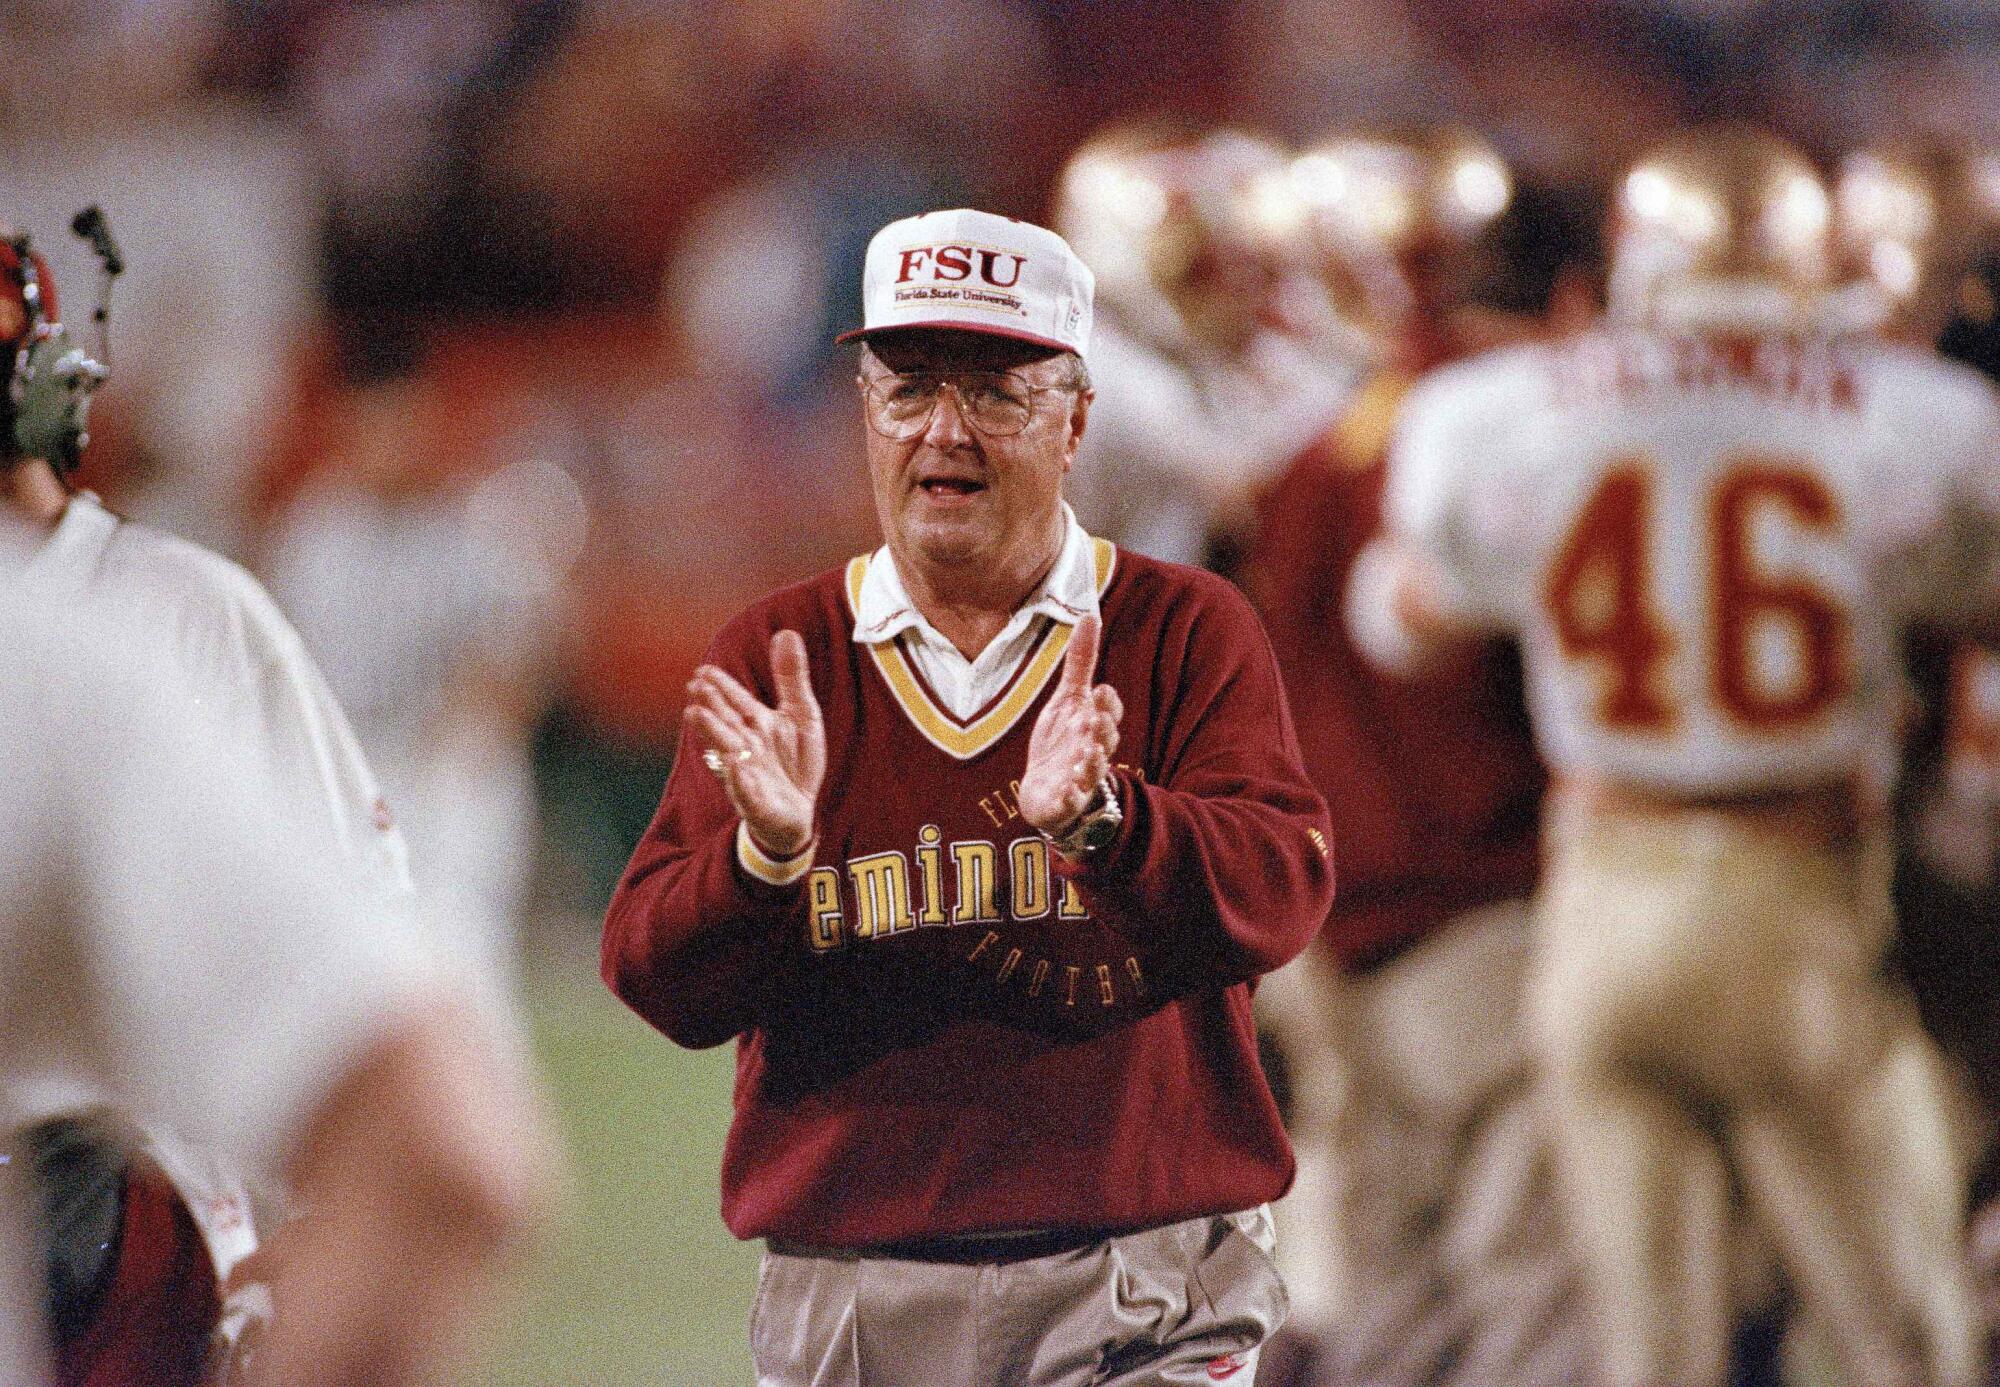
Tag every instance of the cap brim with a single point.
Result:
(862, 334)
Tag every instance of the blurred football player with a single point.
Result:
(1211, 338)
(1392, 217)
(1422, 1250)
(1916, 222)
(430, 594)
(1910, 218)
(1912, 221)
(234, 646)
(170, 934)
(1709, 523)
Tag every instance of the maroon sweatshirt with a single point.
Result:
(1437, 778)
(938, 1033)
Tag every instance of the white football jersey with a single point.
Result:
(1709, 548)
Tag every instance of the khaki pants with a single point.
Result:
(1421, 1238)
(1185, 1303)
(1706, 1001)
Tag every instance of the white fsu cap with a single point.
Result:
(976, 272)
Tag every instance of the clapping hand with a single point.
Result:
(770, 760)
(1069, 752)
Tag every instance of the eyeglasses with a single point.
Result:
(997, 403)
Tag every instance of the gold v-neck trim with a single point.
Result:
(961, 739)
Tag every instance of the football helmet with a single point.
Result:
(1725, 227)
(1910, 218)
(1199, 228)
(1391, 216)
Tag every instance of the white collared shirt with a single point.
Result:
(1067, 595)
(234, 973)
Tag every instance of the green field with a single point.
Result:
(640, 1282)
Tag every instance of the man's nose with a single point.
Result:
(947, 427)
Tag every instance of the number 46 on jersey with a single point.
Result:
(1632, 590)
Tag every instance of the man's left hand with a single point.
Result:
(1070, 750)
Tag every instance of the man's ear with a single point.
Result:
(1079, 417)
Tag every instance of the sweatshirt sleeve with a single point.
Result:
(1226, 861)
(694, 937)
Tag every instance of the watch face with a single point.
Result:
(1100, 832)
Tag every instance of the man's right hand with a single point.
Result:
(770, 760)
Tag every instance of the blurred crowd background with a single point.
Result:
(497, 338)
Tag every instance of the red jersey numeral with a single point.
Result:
(1599, 595)
(1746, 601)
(1600, 599)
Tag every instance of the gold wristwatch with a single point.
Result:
(1096, 827)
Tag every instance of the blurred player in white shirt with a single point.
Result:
(227, 636)
(432, 596)
(169, 933)
(231, 644)
(1710, 527)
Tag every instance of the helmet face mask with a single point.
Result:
(1724, 228)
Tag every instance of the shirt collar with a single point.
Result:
(67, 557)
(1067, 595)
